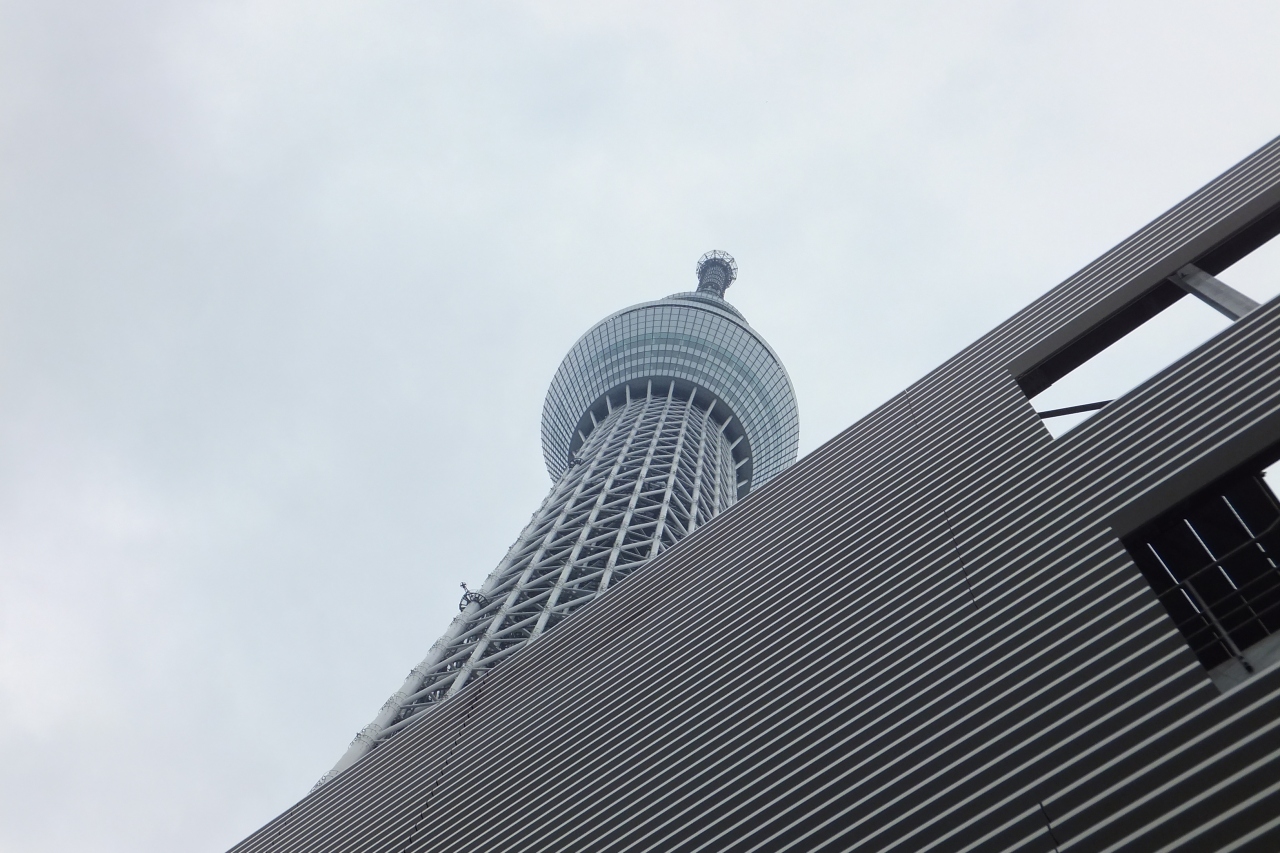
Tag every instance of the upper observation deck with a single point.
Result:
(697, 341)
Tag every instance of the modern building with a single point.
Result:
(660, 417)
(944, 630)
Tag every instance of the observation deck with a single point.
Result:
(701, 343)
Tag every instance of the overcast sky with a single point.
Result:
(283, 283)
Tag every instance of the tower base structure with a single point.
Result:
(944, 630)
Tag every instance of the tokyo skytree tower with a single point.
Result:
(659, 418)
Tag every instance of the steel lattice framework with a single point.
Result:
(653, 457)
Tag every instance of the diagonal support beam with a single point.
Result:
(1214, 292)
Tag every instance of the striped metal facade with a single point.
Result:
(926, 635)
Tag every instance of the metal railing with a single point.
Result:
(1243, 610)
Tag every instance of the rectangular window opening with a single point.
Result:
(1214, 562)
(1152, 332)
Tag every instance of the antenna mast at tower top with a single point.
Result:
(716, 271)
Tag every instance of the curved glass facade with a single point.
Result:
(695, 339)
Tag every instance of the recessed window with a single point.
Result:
(1214, 563)
(1155, 330)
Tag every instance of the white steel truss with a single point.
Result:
(651, 471)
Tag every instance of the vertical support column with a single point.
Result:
(704, 436)
(660, 527)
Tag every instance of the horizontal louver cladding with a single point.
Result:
(924, 636)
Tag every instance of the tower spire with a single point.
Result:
(716, 271)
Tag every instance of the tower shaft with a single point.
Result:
(653, 470)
